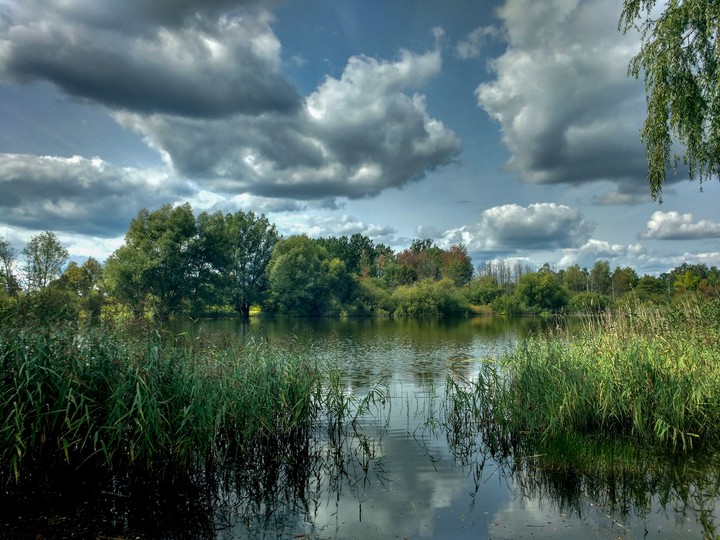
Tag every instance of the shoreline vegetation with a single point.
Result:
(119, 397)
(176, 264)
(647, 375)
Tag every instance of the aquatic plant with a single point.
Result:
(647, 373)
(112, 399)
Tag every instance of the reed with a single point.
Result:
(649, 374)
(111, 399)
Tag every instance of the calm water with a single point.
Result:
(397, 472)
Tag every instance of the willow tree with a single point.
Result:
(678, 59)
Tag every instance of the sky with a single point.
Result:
(510, 126)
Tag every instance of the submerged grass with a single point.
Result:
(646, 373)
(110, 399)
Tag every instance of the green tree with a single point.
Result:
(155, 263)
(85, 283)
(652, 289)
(8, 255)
(297, 272)
(358, 252)
(679, 62)
(429, 298)
(482, 290)
(588, 302)
(45, 257)
(541, 290)
(239, 247)
(600, 280)
(624, 280)
(575, 279)
(423, 258)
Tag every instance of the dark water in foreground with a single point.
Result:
(395, 473)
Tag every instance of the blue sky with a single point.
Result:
(509, 126)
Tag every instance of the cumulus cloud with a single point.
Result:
(79, 195)
(472, 45)
(566, 107)
(202, 82)
(633, 255)
(354, 136)
(510, 228)
(676, 226)
(187, 58)
(324, 226)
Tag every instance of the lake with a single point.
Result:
(398, 470)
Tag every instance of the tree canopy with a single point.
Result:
(679, 62)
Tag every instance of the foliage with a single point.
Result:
(646, 374)
(575, 279)
(153, 266)
(298, 276)
(624, 280)
(652, 289)
(588, 302)
(108, 399)
(600, 279)
(428, 298)
(359, 253)
(482, 290)
(8, 282)
(85, 283)
(679, 62)
(508, 305)
(238, 248)
(541, 290)
(44, 257)
(456, 265)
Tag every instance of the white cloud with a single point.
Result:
(472, 45)
(566, 107)
(676, 226)
(323, 226)
(512, 227)
(355, 136)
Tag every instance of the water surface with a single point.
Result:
(397, 471)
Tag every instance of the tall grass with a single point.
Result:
(649, 374)
(113, 400)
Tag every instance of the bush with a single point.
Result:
(588, 302)
(508, 305)
(429, 298)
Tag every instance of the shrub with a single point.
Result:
(588, 302)
(429, 298)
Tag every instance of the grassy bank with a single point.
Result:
(649, 374)
(112, 399)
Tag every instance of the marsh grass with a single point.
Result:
(649, 374)
(110, 398)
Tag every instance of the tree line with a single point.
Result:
(174, 263)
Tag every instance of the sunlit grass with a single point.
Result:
(110, 399)
(649, 374)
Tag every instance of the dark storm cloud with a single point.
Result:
(202, 83)
(77, 195)
(133, 16)
(567, 109)
(355, 136)
(204, 65)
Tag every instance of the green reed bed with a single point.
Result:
(109, 399)
(650, 374)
